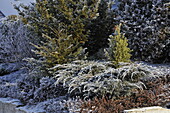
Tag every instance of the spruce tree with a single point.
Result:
(118, 50)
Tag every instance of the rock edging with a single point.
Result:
(8, 105)
(154, 109)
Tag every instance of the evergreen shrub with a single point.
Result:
(83, 19)
(118, 50)
(155, 94)
(146, 26)
(62, 26)
(89, 79)
(100, 28)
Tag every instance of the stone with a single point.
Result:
(8, 105)
(154, 109)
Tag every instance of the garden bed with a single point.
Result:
(42, 92)
(87, 56)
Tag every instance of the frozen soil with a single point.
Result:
(41, 92)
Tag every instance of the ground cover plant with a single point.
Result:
(89, 79)
(153, 95)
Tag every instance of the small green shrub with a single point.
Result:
(118, 50)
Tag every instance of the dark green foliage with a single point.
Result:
(146, 26)
(100, 29)
(47, 14)
(77, 20)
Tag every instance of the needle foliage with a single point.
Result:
(118, 50)
(61, 25)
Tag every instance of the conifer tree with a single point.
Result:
(62, 23)
(100, 28)
(118, 50)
